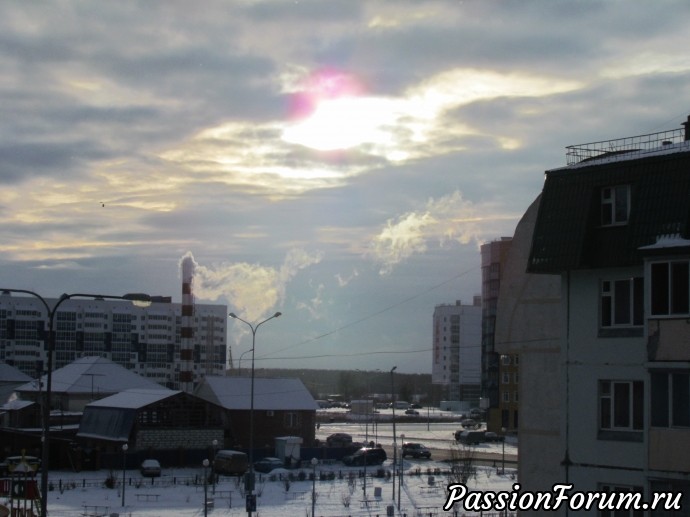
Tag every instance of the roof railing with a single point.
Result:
(633, 145)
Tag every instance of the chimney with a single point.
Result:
(687, 128)
(187, 331)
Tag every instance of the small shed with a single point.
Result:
(288, 449)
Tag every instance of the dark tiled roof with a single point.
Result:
(568, 234)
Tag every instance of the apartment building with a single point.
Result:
(614, 227)
(146, 340)
(456, 364)
(493, 256)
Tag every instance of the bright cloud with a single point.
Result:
(274, 158)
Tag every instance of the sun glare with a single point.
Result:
(330, 111)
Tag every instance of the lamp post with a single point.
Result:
(503, 455)
(213, 466)
(400, 474)
(205, 464)
(395, 443)
(250, 493)
(314, 463)
(124, 468)
(240, 361)
(140, 299)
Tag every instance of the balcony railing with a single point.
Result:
(629, 146)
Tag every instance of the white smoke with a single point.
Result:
(252, 290)
(450, 218)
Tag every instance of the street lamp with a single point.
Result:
(314, 463)
(124, 467)
(395, 443)
(503, 456)
(139, 299)
(205, 464)
(213, 468)
(400, 474)
(240, 361)
(250, 495)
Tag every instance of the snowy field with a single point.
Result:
(339, 489)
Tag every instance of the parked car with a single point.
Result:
(411, 412)
(469, 423)
(267, 464)
(150, 468)
(416, 450)
(493, 437)
(477, 414)
(366, 456)
(469, 437)
(230, 463)
(338, 440)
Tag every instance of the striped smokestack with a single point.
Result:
(187, 330)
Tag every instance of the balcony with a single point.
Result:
(668, 449)
(668, 339)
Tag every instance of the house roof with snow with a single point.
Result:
(113, 418)
(93, 375)
(269, 394)
(10, 374)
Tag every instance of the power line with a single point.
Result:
(370, 316)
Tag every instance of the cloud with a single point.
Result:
(313, 307)
(343, 281)
(251, 289)
(448, 219)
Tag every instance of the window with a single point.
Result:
(622, 302)
(291, 420)
(670, 399)
(621, 405)
(670, 284)
(622, 488)
(506, 378)
(615, 205)
(506, 396)
(506, 360)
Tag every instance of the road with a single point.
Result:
(438, 436)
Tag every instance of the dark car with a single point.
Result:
(268, 464)
(493, 437)
(416, 450)
(470, 437)
(150, 468)
(366, 456)
(468, 423)
(339, 440)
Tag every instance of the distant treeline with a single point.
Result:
(354, 384)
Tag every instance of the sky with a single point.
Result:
(338, 161)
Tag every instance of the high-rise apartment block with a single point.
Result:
(457, 350)
(146, 340)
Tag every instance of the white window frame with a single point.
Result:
(609, 400)
(673, 306)
(610, 302)
(613, 198)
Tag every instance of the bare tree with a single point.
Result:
(463, 467)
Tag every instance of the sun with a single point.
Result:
(331, 112)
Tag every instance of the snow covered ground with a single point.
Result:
(339, 489)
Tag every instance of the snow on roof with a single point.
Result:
(11, 374)
(269, 394)
(93, 375)
(16, 404)
(134, 398)
(667, 241)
